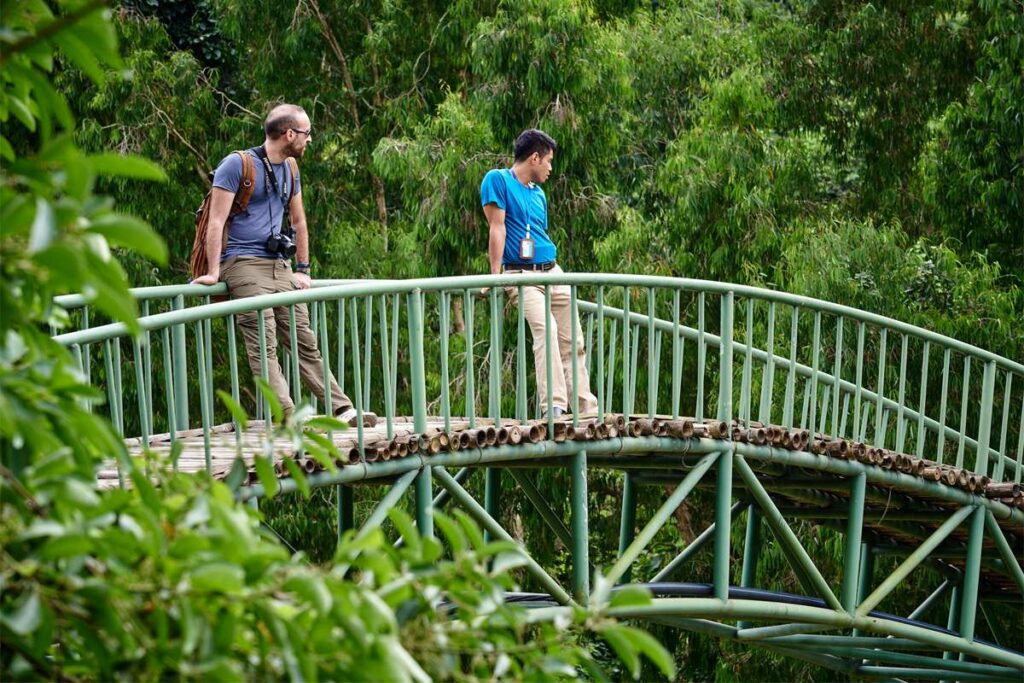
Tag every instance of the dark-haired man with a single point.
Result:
(256, 260)
(517, 216)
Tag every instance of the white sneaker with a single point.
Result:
(351, 417)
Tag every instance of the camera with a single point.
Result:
(282, 244)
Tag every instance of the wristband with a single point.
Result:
(302, 268)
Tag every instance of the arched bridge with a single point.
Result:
(784, 417)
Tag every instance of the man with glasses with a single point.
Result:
(516, 209)
(257, 256)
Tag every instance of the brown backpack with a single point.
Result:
(198, 261)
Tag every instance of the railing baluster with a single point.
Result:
(261, 330)
(900, 427)
(494, 393)
(147, 352)
(293, 357)
(676, 364)
(446, 410)
(470, 383)
(815, 365)
(941, 444)
(988, 391)
(652, 389)
(368, 358)
(790, 397)
(314, 327)
(627, 328)
(204, 394)
(633, 368)
(113, 387)
(748, 359)
(548, 364)
(997, 473)
(357, 380)
(385, 367)
(424, 481)
(701, 358)
(846, 412)
(965, 398)
(325, 364)
(1020, 443)
(879, 439)
(521, 410)
(589, 348)
(140, 389)
(612, 347)
(723, 497)
(601, 406)
(858, 398)
(922, 402)
(396, 301)
(342, 305)
(575, 370)
(837, 374)
(768, 378)
(180, 367)
(168, 386)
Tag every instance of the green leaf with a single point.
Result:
(81, 55)
(44, 227)
(6, 151)
(452, 533)
(217, 577)
(271, 398)
(403, 522)
(25, 617)
(298, 475)
(630, 596)
(237, 475)
(126, 166)
(326, 423)
(268, 478)
(313, 590)
(623, 646)
(131, 233)
(648, 645)
(235, 408)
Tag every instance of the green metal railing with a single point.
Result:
(870, 389)
(655, 347)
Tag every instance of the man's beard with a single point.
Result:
(293, 150)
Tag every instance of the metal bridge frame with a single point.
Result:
(840, 630)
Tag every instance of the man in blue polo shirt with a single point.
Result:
(517, 216)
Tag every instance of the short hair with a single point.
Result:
(281, 118)
(533, 140)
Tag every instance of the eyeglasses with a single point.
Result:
(302, 132)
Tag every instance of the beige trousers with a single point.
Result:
(560, 325)
(251, 276)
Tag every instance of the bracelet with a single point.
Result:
(302, 268)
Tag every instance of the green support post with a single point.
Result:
(492, 478)
(852, 554)
(627, 523)
(424, 484)
(180, 367)
(723, 492)
(580, 528)
(752, 544)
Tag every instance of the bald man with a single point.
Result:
(257, 257)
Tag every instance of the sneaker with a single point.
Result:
(556, 412)
(350, 416)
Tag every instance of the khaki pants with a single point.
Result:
(251, 276)
(560, 326)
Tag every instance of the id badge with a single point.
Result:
(526, 249)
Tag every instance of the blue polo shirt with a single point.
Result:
(249, 230)
(522, 205)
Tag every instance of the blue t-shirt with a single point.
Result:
(249, 230)
(522, 205)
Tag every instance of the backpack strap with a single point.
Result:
(246, 185)
(294, 166)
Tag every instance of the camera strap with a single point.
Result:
(271, 181)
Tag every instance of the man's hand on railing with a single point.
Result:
(205, 280)
(303, 281)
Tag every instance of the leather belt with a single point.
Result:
(529, 266)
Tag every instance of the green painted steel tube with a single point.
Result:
(652, 370)
(424, 484)
(610, 391)
(475, 510)
(385, 358)
(1020, 445)
(626, 557)
(601, 405)
(789, 398)
(368, 356)
(492, 494)
(204, 397)
(941, 445)
(627, 520)
(140, 389)
(916, 673)
(580, 528)
(815, 366)
(677, 362)
(748, 359)
(446, 409)
(180, 366)
(895, 578)
(388, 501)
(771, 633)
(752, 544)
(261, 331)
(988, 390)
(492, 478)
(345, 509)
(233, 369)
(997, 472)
(788, 540)
(902, 397)
(698, 410)
(851, 554)
(922, 400)
(1005, 551)
(169, 387)
(470, 315)
(723, 492)
(357, 376)
(972, 574)
(762, 610)
(627, 341)
(828, 642)
(858, 431)
(929, 602)
(689, 551)
(837, 373)
(768, 377)
(542, 506)
(549, 368)
(922, 662)
(878, 438)
(965, 401)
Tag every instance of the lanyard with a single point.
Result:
(525, 206)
